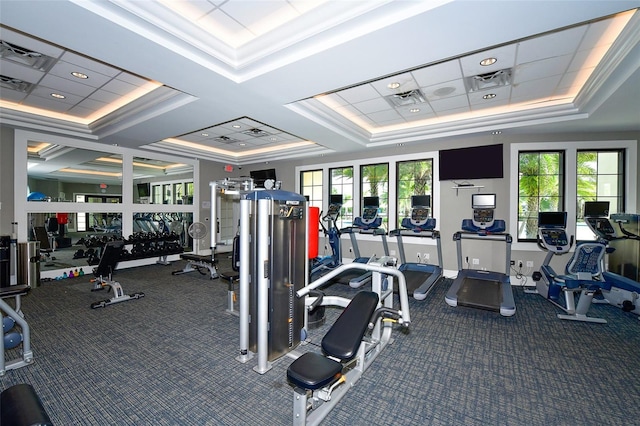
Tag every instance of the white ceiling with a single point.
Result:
(243, 81)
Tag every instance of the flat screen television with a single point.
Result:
(144, 190)
(421, 201)
(259, 176)
(483, 201)
(596, 209)
(371, 202)
(552, 219)
(478, 162)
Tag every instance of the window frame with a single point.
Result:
(570, 178)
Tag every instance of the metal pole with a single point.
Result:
(263, 284)
(214, 218)
(245, 276)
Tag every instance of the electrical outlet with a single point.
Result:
(425, 257)
(513, 262)
(529, 263)
(418, 254)
(392, 252)
(475, 261)
(350, 249)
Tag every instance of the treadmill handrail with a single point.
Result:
(482, 236)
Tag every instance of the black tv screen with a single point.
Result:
(596, 209)
(552, 219)
(144, 190)
(478, 162)
(259, 176)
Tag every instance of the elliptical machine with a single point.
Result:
(322, 265)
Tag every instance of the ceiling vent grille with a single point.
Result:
(412, 97)
(14, 84)
(225, 139)
(489, 80)
(256, 132)
(23, 56)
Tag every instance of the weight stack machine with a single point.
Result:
(273, 267)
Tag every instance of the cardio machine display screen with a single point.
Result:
(483, 201)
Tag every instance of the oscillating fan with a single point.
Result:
(197, 231)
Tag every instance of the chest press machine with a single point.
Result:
(321, 380)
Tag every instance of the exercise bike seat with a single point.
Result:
(312, 370)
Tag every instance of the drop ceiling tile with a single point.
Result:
(540, 69)
(598, 33)
(31, 43)
(193, 10)
(359, 93)
(64, 69)
(382, 116)
(502, 94)
(434, 74)
(92, 104)
(119, 87)
(104, 96)
(259, 16)
(555, 44)
(12, 95)
(588, 58)
(445, 104)
(372, 105)
(505, 56)
(226, 28)
(444, 90)
(66, 86)
(529, 90)
(89, 64)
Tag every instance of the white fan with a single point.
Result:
(197, 230)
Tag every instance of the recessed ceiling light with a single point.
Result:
(236, 126)
(79, 75)
(204, 134)
(489, 96)
(414, 110)
(496, 132)
(58, 96)
(242, 144)
(393, 85)
(488, 61)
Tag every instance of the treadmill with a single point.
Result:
(420, 277)
(368, 223)
(480, 289)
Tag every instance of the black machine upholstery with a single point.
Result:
(21, 406)
(312, 370)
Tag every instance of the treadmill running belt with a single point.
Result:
(483, 294)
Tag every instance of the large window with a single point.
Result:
(414, 177)
(599, 177)
(540, 189)
(341, 182)
(311, 187)
(552, 179)
(374, 182)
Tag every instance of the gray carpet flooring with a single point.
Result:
(169, 359)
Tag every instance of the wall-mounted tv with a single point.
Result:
(259, 176)
(478, 162)
(144, 190)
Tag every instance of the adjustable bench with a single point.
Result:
(21, 406)
(322, 375)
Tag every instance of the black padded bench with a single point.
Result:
(21, 406)
(312, 370)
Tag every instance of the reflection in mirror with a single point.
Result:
(62, 173)
(172, 226)
(162, 182)
(70, 240)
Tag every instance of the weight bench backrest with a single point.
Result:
(345, 335)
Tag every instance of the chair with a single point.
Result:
(583, 275)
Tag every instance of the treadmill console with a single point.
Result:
(369, 219)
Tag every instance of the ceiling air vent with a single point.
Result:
(225, 139)
(412, 97)
(14, 84)
(23, 56)
(489, 80)
(256, 132)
